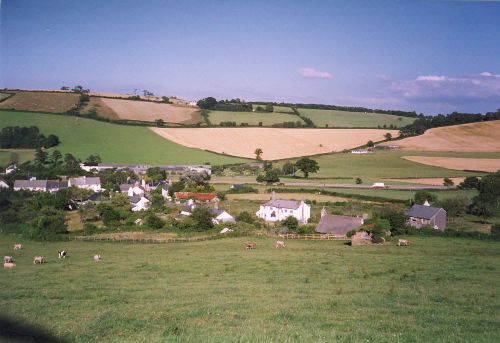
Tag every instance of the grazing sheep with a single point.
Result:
(403, 242)
(280, 244)
(250, 245)
(97, 258)
(9, 265)
(61, 254)
(18, 246)
(8, 259)
(38, 259)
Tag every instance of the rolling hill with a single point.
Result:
(113, 142)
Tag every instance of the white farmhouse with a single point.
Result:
(92, 183)
(3, 184)
(139, 203)
(278, 209)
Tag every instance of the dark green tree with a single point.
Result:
(422, 196)
(202, 218)
(291, 223)
(307, 165)
(40, 156)
(56, 157)
(487, 203)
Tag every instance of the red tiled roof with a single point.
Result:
(195, 196)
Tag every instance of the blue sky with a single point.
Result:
(427, 56)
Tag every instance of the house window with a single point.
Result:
(273, 214)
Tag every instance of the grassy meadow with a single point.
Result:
(337, 118)
(23, 155)
(388, 164)
(436, 290)
(251, 118)
(114, 143)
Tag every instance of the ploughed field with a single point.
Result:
(276, 143)
(473, 137)
(435, 290)
(52, 102)
(149, 111)
(113, 142)
(481, 164)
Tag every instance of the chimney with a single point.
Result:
(216, 205)
(273, 195)
(323, 212)
(426, 203)
(143, 183)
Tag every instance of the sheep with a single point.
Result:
(404, 242)
(8, 259)
(61, 254)
(9, 265)
(280, 244)
(97, 258)
(38, 259)
(250, 245)
(18, 246)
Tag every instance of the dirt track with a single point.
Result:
(481, 164)
(474, 137)
(276, 143)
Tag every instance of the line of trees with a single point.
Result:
(234, 105)
(13, 137)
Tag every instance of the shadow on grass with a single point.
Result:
(15, 331)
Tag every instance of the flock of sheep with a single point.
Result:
(9, 263)
(253, 245)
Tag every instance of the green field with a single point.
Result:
(22, 155)
(282, 109)
(336, 118)
(4, 96)
(436, 290)
(114, 143)
(251, 118)
(387, 164)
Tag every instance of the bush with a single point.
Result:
(245, 217)
(351, 233)
(306, 229)
(90, 229)
(291, 223)
(154, 222)
(495, 231)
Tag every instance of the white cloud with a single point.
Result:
(313, 73)
(488, 74)
(431, 78)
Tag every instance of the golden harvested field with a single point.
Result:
(287, 196)
(474, 137)
(276, 143)
(57, 102)
(432, 181)
(150, 111)
(457, 163)
(101, 108)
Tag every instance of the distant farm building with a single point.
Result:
(360, 151)
(35, 185)
(91, 183)
(423, 215)
(202, 197)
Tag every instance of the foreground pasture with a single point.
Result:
(439, 290)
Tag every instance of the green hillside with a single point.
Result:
(336, 118)
(252, 118)
(114, 143)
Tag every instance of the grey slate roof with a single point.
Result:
(125, 187)
(85, 181)
(423, 212)
(30, 184)
(135, 199)
(338, 225)
(290, 204)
